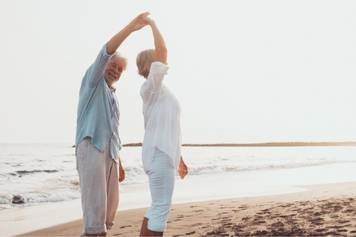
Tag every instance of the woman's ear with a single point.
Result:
(146, 71)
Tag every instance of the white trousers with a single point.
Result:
(99, 187)
(161, 180)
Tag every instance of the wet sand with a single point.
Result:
(321, 210)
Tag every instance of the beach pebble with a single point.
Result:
(18, 199)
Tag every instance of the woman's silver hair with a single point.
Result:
(144, 60)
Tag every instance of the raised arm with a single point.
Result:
(98, 67)
(136, 24)
(160, 46)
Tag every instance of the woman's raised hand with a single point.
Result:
(140, 21)
(148, 19)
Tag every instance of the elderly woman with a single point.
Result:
(161, 153)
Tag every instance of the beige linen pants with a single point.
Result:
(99, 187)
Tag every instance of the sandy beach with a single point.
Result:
(321, 210)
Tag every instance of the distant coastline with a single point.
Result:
(264, 144)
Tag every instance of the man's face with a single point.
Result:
(114, 68)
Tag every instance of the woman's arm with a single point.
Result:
(160, 46)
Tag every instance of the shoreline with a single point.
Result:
(224, 216)
(227, 185)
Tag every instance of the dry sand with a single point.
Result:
(322, 210)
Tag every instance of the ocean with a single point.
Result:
(46, 173)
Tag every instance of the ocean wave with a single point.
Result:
(5, 199)
(198, 170)
(38, 197)
(132, 170)
(25, 172)
(42, 197)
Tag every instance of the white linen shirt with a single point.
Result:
(161, 112)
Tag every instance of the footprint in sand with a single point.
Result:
(180, 217)
(343, 221)
(285, 205)
(334, 227)
(199, 210)
(261, 213)
(196, 224)
(227, 225)
(260, 233)
(277, 224)
(258, 222)
(223, 206)
(318, 214)
(218, 232)
(320, 230)
(303, 203)
(349, 211)
(190, 233)
(124, 226)
(308, 209)
(331, 233)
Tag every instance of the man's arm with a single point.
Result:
(112, 45)
(121, 172)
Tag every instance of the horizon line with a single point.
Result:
(224, 144)
(259, 144)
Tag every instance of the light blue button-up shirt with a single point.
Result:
(98, 109)
(115, 142)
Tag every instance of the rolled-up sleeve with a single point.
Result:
(97, 68)
(154, 80)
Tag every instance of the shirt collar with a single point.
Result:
(112, 89)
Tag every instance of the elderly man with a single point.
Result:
(97, 136)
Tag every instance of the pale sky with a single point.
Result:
(243, 71)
